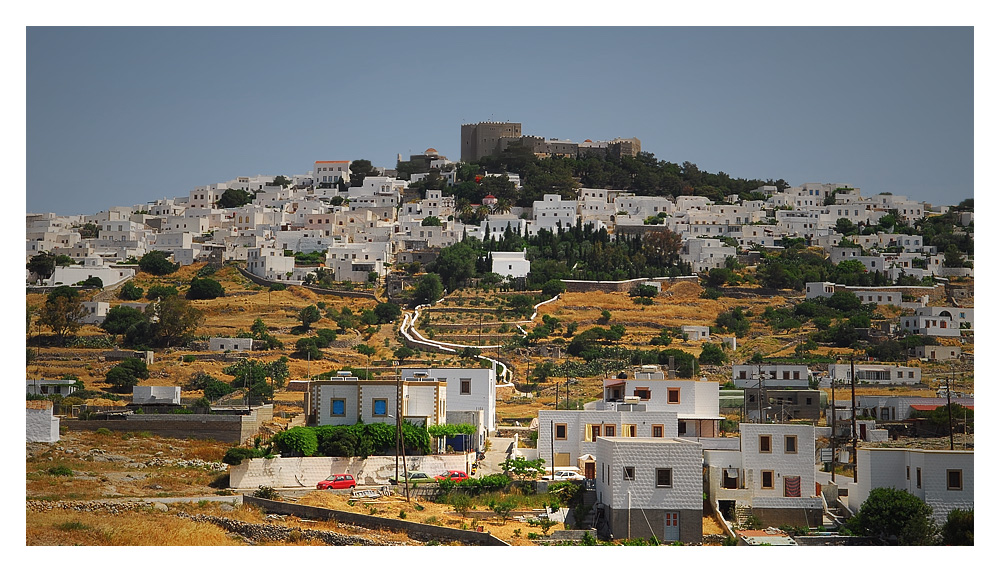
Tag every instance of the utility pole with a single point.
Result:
(854, 425)
(951, 433)
(833, 426)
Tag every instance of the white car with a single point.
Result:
(564, 476)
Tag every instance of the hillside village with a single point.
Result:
(689, 358)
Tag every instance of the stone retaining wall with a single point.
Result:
(297, 472)
(622, 285)
(413, 529)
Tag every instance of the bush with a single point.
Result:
(158, 291)
(958, 529)
(103, 431)
(264, 492)
(894, 514)
(60, 471)
(156, 263)
(92, 282)
(297, 442)
(130, 292)
(205, 289)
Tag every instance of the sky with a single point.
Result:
(126, 115)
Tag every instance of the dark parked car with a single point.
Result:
(337, 482)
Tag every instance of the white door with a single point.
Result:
(671, 531)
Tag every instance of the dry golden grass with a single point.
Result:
(94, 479)
(72, 528)
(431, 513)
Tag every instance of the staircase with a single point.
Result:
(589, 499)
(742, 514)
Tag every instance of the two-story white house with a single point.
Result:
(346, 400)
(651, 488)
(471, 394)
(773, 474)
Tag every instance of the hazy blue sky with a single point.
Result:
(119, 116)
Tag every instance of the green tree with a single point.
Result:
(387, 312)
(160, 291)
(278, 371)
(252, 374)
(297, 442)
(367, 351)
(553, 287)
(63, 312)
(711, 354)
(281, 181)
(403, 352)
(430, 221)
(205, 289)
(503, 508)
(157, 263)
(895, 515)
(308, 348)
(456, 263)
(42, 264)
(522, 468)
(233, 198)
(845, 226)
(120, 319)
(428, 289)
(958, 529)
(130, 291)
(175, 320)
(360, 169)
(309, 315)
(92, 282)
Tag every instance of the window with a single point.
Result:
(560, 431)
(767, 479)
(674, 395)
(954, 479)
(641, 393)
(338, 407)
(682, 427)
(628, 473)
(664, 478)
(628, 431)
(466, 387)
(593, 432)
(765, 443)
(791, 443)
(907, 472)
(919, 480)
(809, 401)
(657, 430)
(609, 430)
(380, 407)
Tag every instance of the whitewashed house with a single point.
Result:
(514, 264)
(346, 400)
(943, 479)
(651, 488)
(42, 426)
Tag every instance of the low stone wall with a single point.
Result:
(297, 472)
(622, 285)
(345, 293)
(415, 530)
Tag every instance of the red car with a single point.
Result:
(452, 475)
(337, 482)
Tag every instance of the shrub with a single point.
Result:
(130, 291)
(895, 514)
(60, 471)
(265, 492)
(156, 263)
(71, 526)
(158, 291)
(205, 289)
(103, 431)
(958, 529)
(460, 502)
